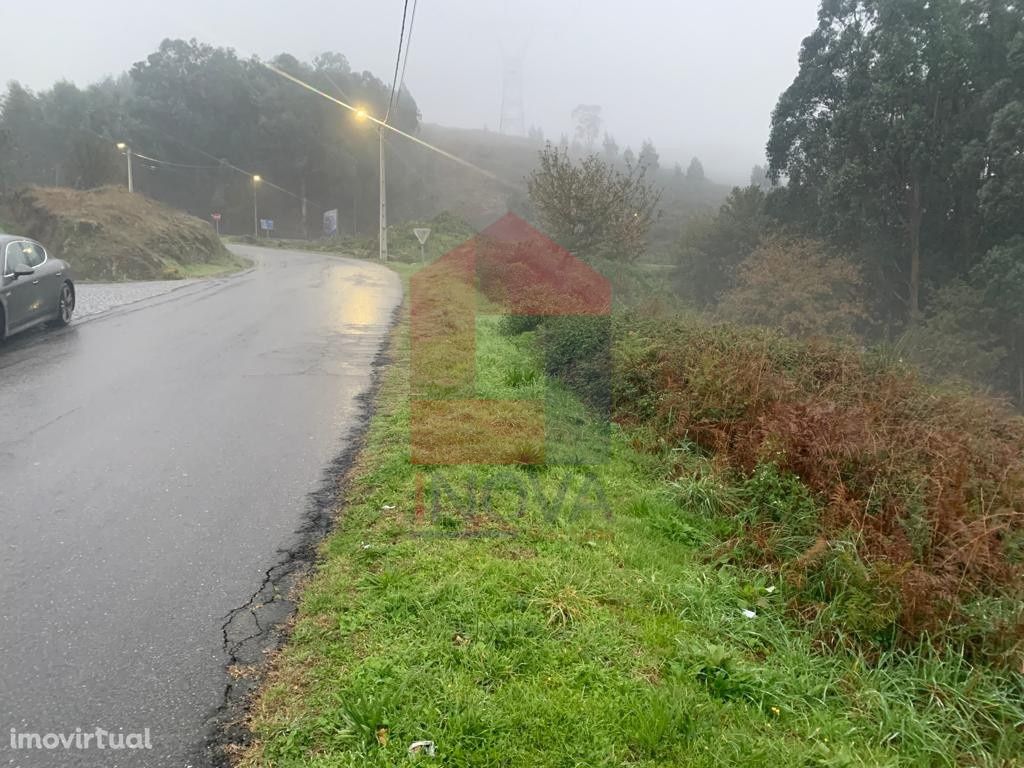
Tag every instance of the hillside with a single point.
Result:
(109, 234)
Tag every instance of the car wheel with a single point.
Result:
(66, 306)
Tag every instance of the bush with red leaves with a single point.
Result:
(920, 492)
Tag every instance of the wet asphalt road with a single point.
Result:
(152, 463)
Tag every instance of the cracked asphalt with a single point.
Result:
(156, 462)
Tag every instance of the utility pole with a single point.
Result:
(255, 207)
(383, 200)
(305, 223)
(128, 153)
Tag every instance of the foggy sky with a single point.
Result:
(699, 77)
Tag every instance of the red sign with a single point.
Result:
(215, 216)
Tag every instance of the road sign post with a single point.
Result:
(422, 233)
(216, 222)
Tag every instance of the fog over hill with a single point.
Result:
(696, 78)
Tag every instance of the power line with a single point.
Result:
(175, 165)
(398, 61)
(405, 60)
(222, 162)
(383, 228)
(337, 87)
(363, 114)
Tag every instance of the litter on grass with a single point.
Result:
(422, 748)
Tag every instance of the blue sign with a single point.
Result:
(267, 225)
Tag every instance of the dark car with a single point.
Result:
(35, 288)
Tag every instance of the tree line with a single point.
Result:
(891, 208)
(202, 119)
(898, 152)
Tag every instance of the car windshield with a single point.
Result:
(492, 383)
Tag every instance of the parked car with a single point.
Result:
(35, 287)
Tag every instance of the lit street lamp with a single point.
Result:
(128, 153)
(256, 179)
(362, 115)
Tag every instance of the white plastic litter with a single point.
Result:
(422, 748)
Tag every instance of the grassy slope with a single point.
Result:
(108, 234)
(585, 640)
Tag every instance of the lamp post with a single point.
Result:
(383, 200)
(382, 237)
(128, 153)
(256, 179)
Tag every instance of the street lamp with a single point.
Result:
(256, 179)
(362, 115)
(383, 237)
(128, 153)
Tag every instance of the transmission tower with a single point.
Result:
(512, 120)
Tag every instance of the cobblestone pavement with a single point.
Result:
(96, 298)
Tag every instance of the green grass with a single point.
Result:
(225, 266)
(556, 634)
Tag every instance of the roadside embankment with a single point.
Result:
(109, 235)
(549, 615)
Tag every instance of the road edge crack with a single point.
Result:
(260, 626)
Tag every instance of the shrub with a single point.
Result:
(959, 337)
(713, 245)
(973, 328)
(591, 208)
(513, 325)
(921, 492)
(796, 285)
(780, 497)
(577, 351)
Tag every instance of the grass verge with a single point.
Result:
(224, 266)
(585, 626)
